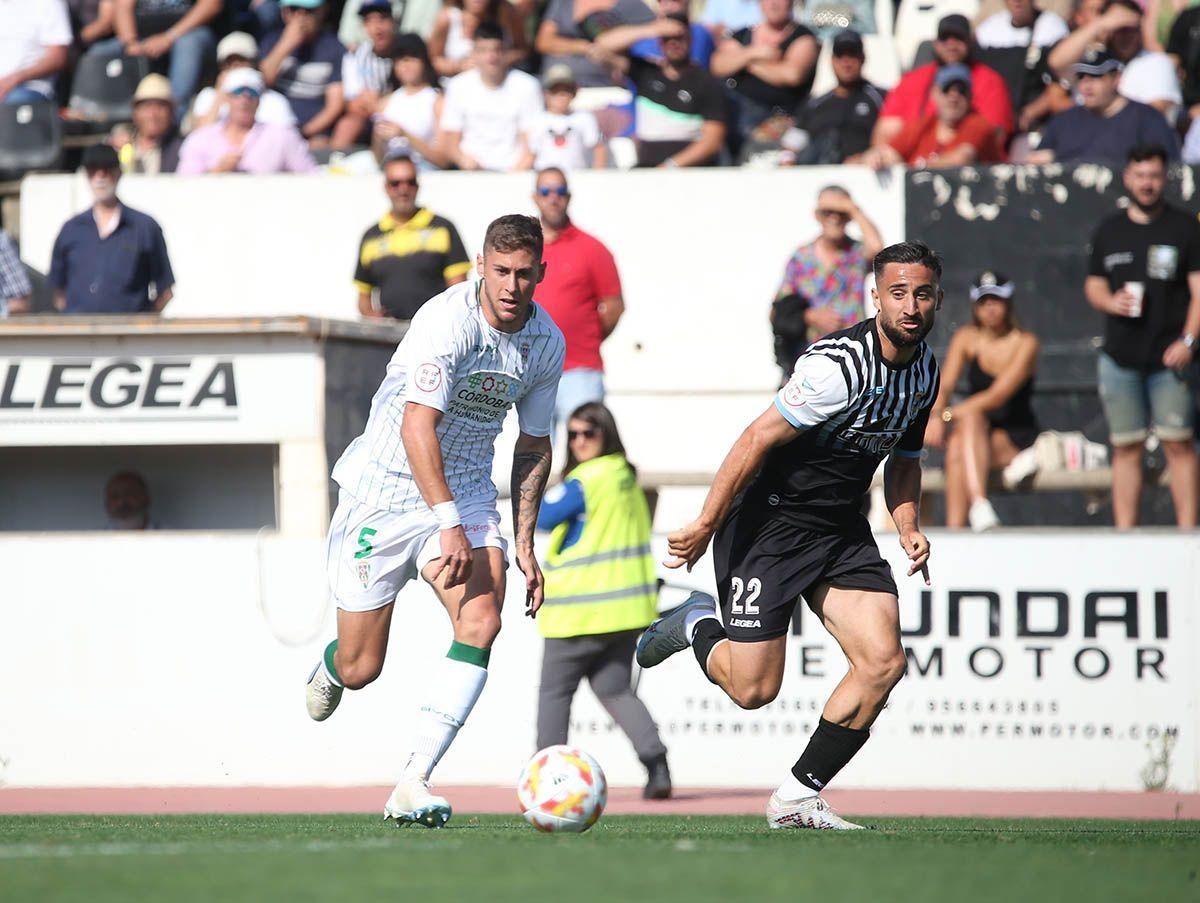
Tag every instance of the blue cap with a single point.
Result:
(375, 6)
(955, 73)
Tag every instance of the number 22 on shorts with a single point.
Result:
(752, 588)
(364, 542)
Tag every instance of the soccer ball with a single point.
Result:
(562, 789)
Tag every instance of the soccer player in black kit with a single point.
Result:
(786, 511)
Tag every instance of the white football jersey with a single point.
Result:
(452, 359)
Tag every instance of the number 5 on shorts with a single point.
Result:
(752, 588)
(364, 542)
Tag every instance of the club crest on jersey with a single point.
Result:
(428, 377)
(794, 394)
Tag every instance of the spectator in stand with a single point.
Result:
(152, 146)
(410, 255)
(1159, 16)
(1024, 27)
(1105, 125)
(92, 21)
(598, 554)
(580, 290)
(490, 110)
(35, 44)
(561, 138)
(1183, 47)
(239, 142)
(410, 117)
(412, 17)
(839, 124)
(258, 16)
(823, 283)
(954, 135)
(1144, 276)
(453, 34)
(681, 111)
(725, 16)
(174, 35)
(366, 72)
(569, 31)
(702, 41)
(1085, 12)
(988, 428)
(110, 259)
(15, 291)
(1148, 77)
(127, 502)
(912, 98)
(238, 50)
(304, 62)
(768, 70)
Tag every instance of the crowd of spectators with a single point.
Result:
(514, 84)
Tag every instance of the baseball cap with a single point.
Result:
(954, 25)
(375, 6)
(848, 42)
(244, 77)
(558, 74)
(1097, 61)
(989, 283)
(154, 87)
(237, 43)
(955, 73)
(303, 4)
(101, 156)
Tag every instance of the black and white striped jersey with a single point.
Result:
(852, 409)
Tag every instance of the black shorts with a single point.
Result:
(764, 566)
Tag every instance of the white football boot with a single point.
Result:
(668, 634)
(323, 695)
(812, 812)
(411, 803)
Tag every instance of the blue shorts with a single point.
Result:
(1135, 400)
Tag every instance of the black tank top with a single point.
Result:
(1014, 413)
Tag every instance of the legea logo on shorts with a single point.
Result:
(484, 396)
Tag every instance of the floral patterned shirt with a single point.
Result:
(839, 289)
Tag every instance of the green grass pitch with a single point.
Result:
(218, 859)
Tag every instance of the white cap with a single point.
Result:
(243, 77)
(237, 43)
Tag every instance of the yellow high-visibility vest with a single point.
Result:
(605, 582)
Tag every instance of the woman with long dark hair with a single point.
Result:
(408, 118)
(601, 590)
(995, 421)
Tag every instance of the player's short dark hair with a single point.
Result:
(907, 252)
(488, 31)
(1140, 153)
(596, 415)
(514, 232)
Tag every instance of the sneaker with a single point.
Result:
(982, 516)
(411, 803)
(668, 635)
(323, 694)
(812, 812)
(658, 780)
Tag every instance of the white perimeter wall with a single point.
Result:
(701, 254)
(175, 659)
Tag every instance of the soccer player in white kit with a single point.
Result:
(417, 495)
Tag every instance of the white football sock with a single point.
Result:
(694, 617)
(792, 790)
(453, 690)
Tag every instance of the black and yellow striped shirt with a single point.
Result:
(410, 262)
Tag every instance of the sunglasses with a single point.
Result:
(561, 191)
(244, 92)
(825, 212)
(400, 183)
(589, 433)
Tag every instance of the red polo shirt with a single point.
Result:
(989, 95)
(579, 272)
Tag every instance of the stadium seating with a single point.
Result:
(916, 21)
(103, 86)
(30, 137)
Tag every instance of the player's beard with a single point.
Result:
(902, 339)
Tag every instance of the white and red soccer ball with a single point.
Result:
(562, 789)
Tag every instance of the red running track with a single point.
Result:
(622, 800)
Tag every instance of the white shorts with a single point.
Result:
(371, 554)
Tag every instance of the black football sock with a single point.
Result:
(829, 749)
(708, 633)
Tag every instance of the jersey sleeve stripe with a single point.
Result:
(787, 415)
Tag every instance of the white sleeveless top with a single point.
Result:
(415, 112)
(458, 45)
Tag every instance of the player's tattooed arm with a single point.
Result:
(530, 471)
